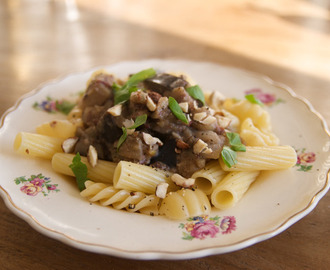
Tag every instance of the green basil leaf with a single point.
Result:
(123, 93)
(233, 137)
(122, 138)
(239, 148)
(139, 77)
(253, 99)
(176, 110)
(235, 142)
(79, 169)
(229, 156)
(139, 121)
(121, 96)
(65, 106)
(116, 86)
(197, 93)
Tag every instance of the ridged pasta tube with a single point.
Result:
(132, 176)
(264, 158)
(232, 188)
(107, 195)
(58, 128)
(36, 145)
(185, 203)
(208, 177)
(102, 172)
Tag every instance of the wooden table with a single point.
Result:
(288, 40)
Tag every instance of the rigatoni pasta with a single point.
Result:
(207, 178)
(264, 158)
(232, 188)
(37, 145)
(132, 176)
(102, 172)
(58, 128)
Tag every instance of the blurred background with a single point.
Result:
(287, 40)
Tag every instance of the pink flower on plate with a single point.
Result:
(228, 224)
(203, 229)
(31, 189)
(265, 98)
(305, 158)
(38, 182)
(52, 187)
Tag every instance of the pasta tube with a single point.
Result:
(207, 178)
(58, 128)
(102, 172)
(185, 203)
(232, 188)
(37, 145)
(264, 158)
(137, 177)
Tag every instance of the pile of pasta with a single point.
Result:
(131, 186)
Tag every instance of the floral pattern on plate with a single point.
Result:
(304, 160)
(266, 98)
(51, 105)
(201, 227)
(36, 184)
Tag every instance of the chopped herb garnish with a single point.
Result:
(122, 138)
(79, 169)
(139, 121)
(253, 99)
(65, 106)
(228, 154)
(235, 142)
(123, 93)
(176, 110)
(197, 93)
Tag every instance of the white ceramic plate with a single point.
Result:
(273, 203)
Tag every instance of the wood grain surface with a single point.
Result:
(287, 40)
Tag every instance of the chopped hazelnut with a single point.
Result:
(92, 156)
(208, 120)
(181, 181)
(161, 190)
(184, 106)
(150, 140)
(115, 110)
(139, 97)
(223, 121)
(199, 116)
(150, 104)
(69, 144)
(128, 123)
(201, 147)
